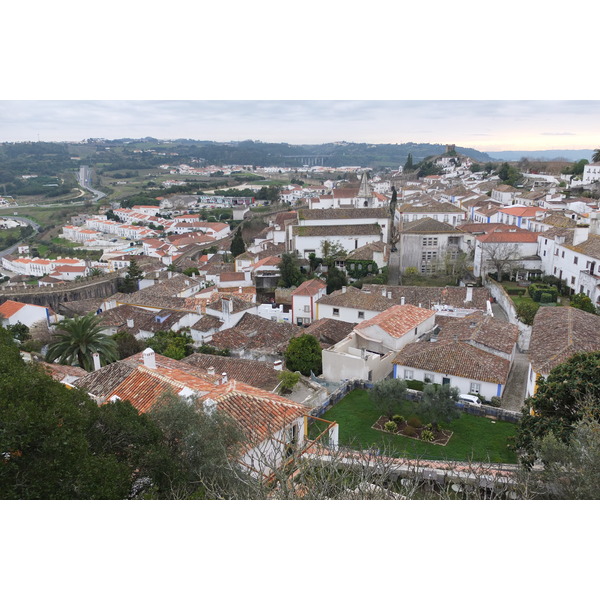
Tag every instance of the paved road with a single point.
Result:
(84, 178)
(26, 221)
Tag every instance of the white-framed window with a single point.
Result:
(408, 374)
(429, 378)
(475, 387)
(306, 308)
(336, 312)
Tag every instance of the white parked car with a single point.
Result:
(469, 399)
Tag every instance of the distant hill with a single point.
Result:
(336, 154)
(547, 155)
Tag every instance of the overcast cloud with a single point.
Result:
(483, 124)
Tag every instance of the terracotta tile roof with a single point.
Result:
(428, 225)
(559, 220)
(431, 206)
(309, 288)
(366, 252)
(259, 414)
(430, 296)
(398, 320)
(206, 323)
(257, 374)
(328, 331)
(355, 298)
(479, 329)
(233, 277)
(59, 372)
(345, 192)
(256, 333)
(591, 247)
(10, 307)
(101, 382)
(560, 332)
(522, 211)
(561, 232)
(508, 237)
(455, 358)
(481, 228)
(237, 304)
(336, 230)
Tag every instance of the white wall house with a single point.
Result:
(367, 353)
(591, 173)
(304, 301)
(27, 314)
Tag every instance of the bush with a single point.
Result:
(414, 384)
(427, 435)
(536, 290)
(390, 426)
(399, 419)
(414, 422)
(410, 431)
(526, 311)
(545, 298)
(495, 401)
(288, 381)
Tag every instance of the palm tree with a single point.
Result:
(596, 155)
(78, 339)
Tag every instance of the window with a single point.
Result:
(336, 312)
(475, 388)
(306, 308)
(408, 374)
(563, 254)
(572, 280)
(429, 378)
(575, 260)
(545, 242)
(361, 314)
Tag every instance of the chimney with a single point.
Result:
(383, 293)
(402, 300)
(343, 289)
(278, 365)
(580, 234)
(469, 297)
(130, 323)
(223, 377)
(211, 370)
(240, 289)
(389, 295)
(96, 358)
(149, 358)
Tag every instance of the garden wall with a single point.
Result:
(505, 302)
(500, 414)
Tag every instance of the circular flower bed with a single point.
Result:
(439, 437)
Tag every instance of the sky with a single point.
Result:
(486, 125)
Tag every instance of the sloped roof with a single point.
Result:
(560, 332)
(10, 307)
(479, 329)
(257, 374)
(428, 225)
(336, 230)
(310, 214)
(328, 331)
(352, 297)
(398, 320)
(455, 358)
(310, 287)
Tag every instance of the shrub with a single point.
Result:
(410, 431)
(545, 298)
(427, 435)
(398, 419)
(495, 401)
(428, 427)
(414, 422)
(414, 384)
(390, 426)
(288, 381)
(526, 311)
(536, 290)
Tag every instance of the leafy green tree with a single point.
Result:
(287, 381)
(408, 165)
(559, 402)
(438, 404)
(133, 277)
(289, 271)
(204, 445)
(388, 395)
(336, 279)
(509, 174)
(570, 470)
(19, 331)
(526, 310)
(43, 437)
(304, 354)
(127, 345)
(95, 272)
(174, 344)
(78, 339)
(237, 243)
(331, 252)
(583, 302)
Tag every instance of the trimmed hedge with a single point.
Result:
(550, 292)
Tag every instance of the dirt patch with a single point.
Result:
(440, 437)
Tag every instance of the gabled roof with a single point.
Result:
(455, 358)
(508, 237)
(398, 320)
(10, 307)
(336, 230)
(560, 332)
(309, 288)
(307, 214)
(428, 225)
(352, 297)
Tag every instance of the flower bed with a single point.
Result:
(439, 437)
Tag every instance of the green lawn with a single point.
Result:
(474, 438)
